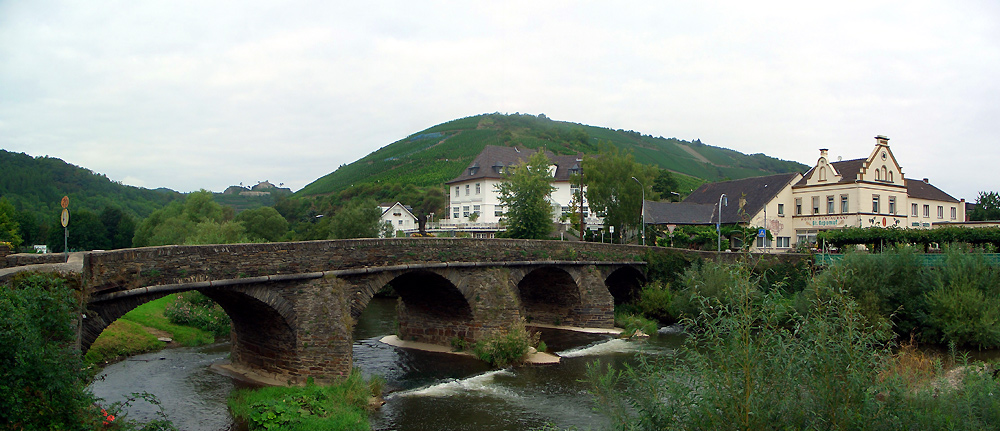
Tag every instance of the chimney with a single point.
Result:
(927, 181)
(822, 152)
(882, 140)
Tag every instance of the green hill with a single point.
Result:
(438, 154)
(36, 185)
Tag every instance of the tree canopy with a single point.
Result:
(360, 218)
(611, 190)
(524, 194)
(987, 207)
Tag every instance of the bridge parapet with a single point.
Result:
(131, 268)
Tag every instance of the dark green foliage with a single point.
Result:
(524, 194)
(665, 185)
(987, 207)
(341, 406)
(86, 232)
(359, 219)
(611, 189)
(197, 310)
(263, 224)
(119, 228)
(438, 154)
(197, 220)
(633, 322)
(42, 385)
(10, 229)
(666, 267)
(962, 307)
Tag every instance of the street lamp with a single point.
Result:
(642, 212)
(718, 222)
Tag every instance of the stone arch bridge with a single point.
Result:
(294, 305)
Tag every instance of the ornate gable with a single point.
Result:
(881, 165)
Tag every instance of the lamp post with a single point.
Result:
(642, 212)
(718, 222)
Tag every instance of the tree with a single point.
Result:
(10, 230)
(86, 232)
(199, 219)
(611, 190)
(987, 207)
(524, 193)
(119, 228)
(666, 185)
(360, 218)
(263, 224)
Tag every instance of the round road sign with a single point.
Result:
(64, 219)
(65, 201)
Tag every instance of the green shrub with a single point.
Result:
(886, 285)
(197, 310)
(340, 406)
(705, 279)
(506, 347)
(631, 323)
(121, 339)
(655, 301)
(962, 306)
(41, 383)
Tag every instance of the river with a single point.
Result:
(425, 391)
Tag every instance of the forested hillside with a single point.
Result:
(36, 184)
(438, 154)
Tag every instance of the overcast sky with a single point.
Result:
(207, 94)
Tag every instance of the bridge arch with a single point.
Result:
(432, 308)
(249, 307)
(624, 283)
(549, 295)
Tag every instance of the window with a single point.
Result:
(455, 211)
(784, 241)
(781, 210)
(465, 211)
(565, 209)
(475, 209)
(889, 178)
(400, 222)
(466, 189)
(954, 213)
(844, 207)
(763, 242)
(815, 204)
(927, 211)
(892, 205)
(875, 204)
(477, 188)
(822, 174)
(498, 211)
(798, 206)
(878, 175)
(456, 191)
(940, 211)
(913, 210)
(829, 205)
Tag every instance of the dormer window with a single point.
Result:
(474, 169)
(574, 170)
(498, 167)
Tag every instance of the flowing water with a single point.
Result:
(424, 390)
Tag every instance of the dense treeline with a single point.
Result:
(37, 184)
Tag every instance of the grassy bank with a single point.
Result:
(342, 406)
(137, 331)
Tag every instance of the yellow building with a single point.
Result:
(868, 192)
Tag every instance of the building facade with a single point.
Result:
(868, 192)
(474, 203)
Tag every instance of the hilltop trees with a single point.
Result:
(9, 228)
(524, 193)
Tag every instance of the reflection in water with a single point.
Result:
(425, 390)
(193, 397)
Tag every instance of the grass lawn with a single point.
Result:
(151, 314)
(128, 335)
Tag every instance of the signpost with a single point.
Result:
(64, 219)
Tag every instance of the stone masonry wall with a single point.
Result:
(130, 268)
